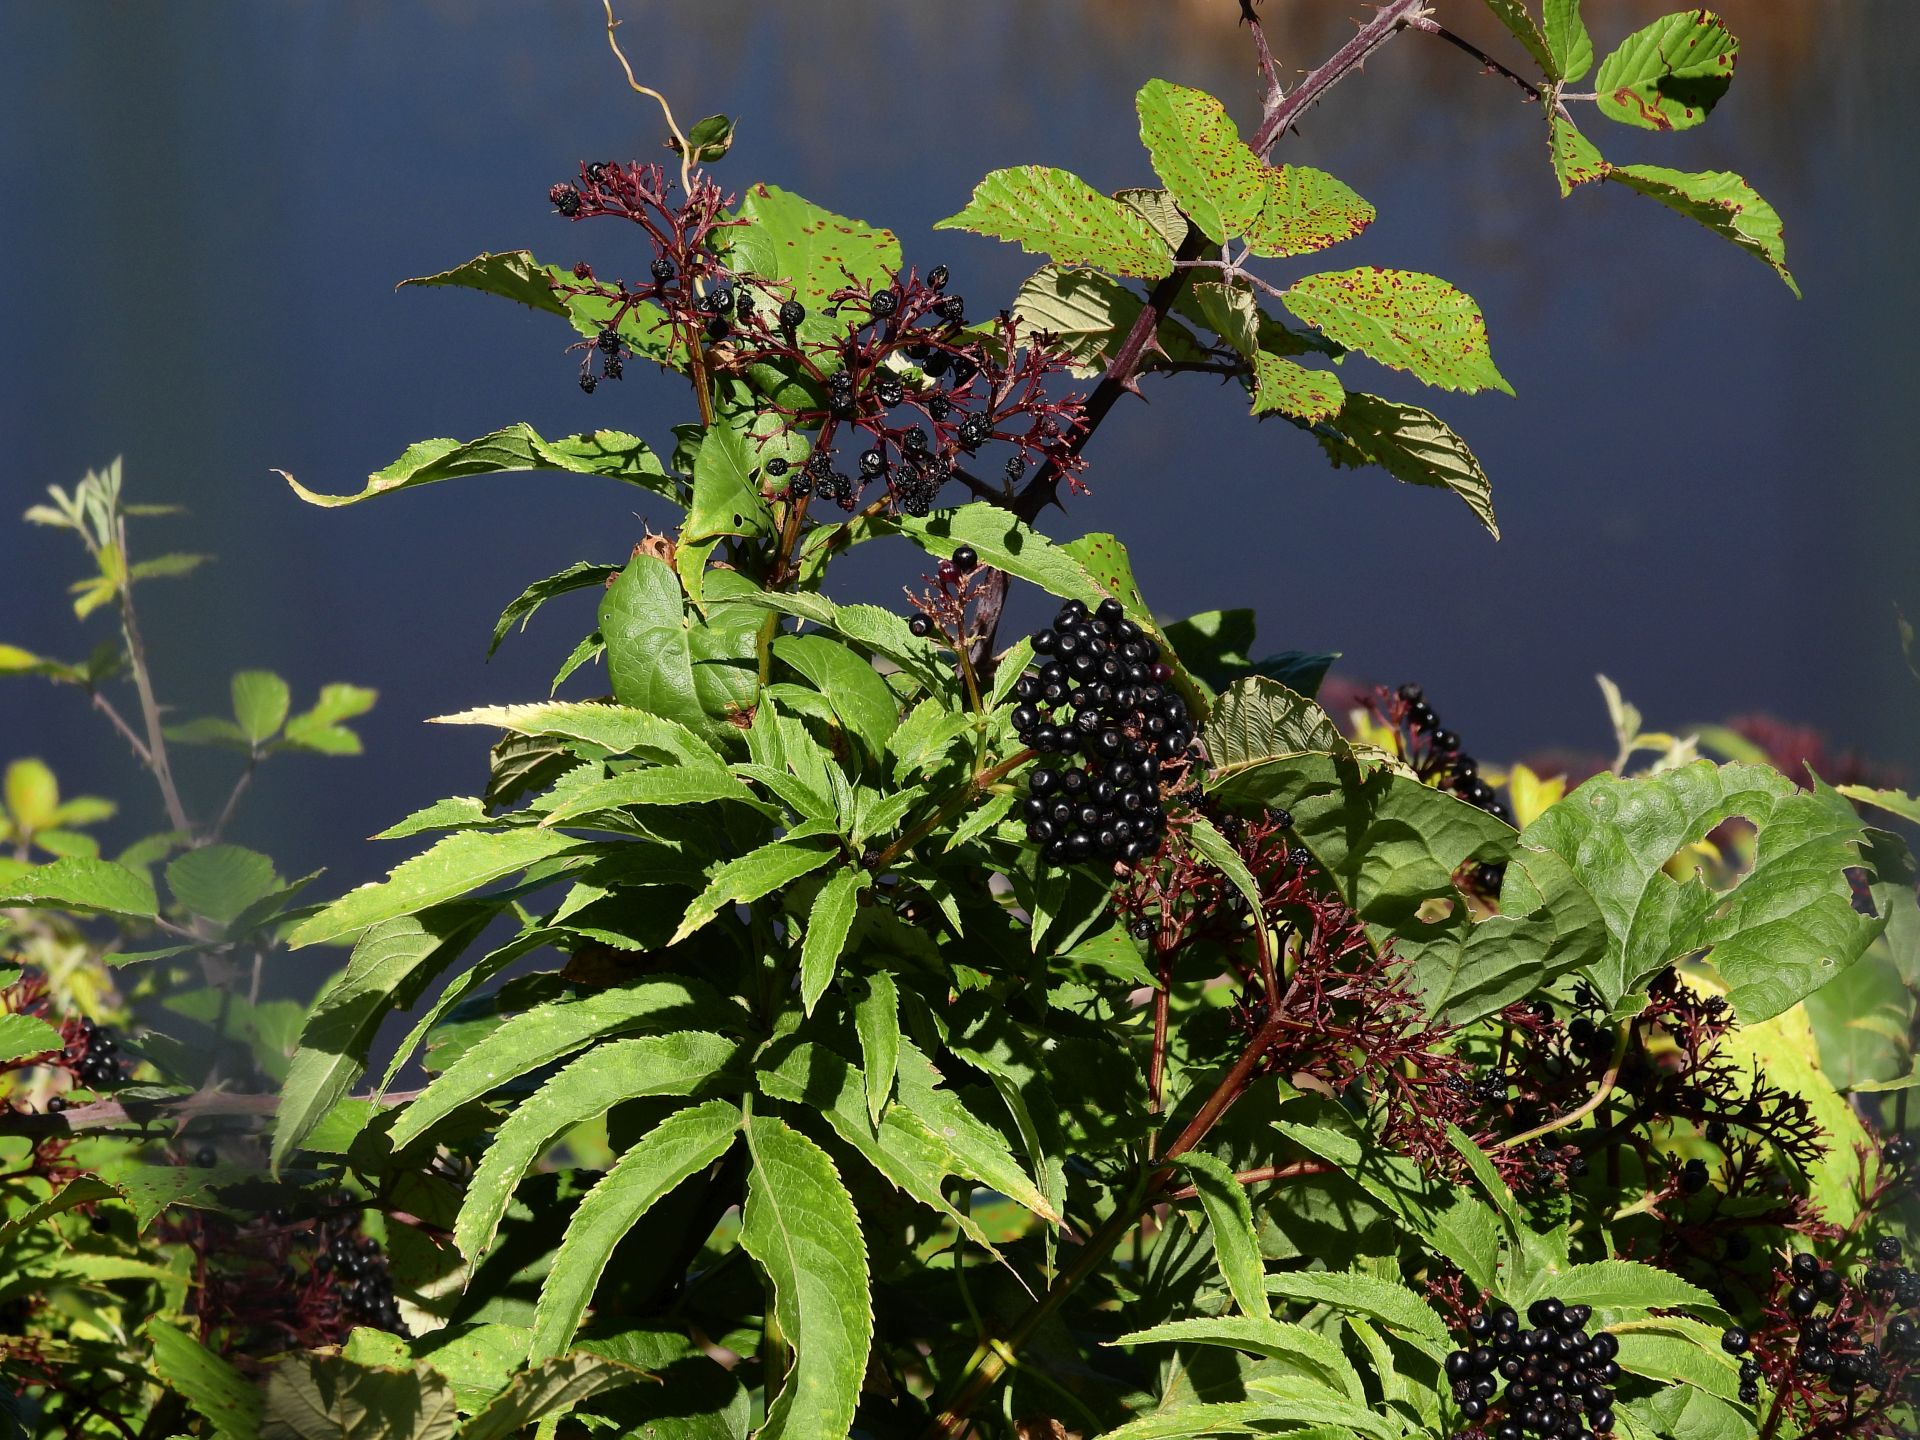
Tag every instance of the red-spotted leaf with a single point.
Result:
(1054, 212)
(1669, 75)
(1404, 320)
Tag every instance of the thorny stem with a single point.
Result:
(107, 708)
(1427, 25)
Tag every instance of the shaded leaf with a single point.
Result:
(1669, 75)
(1412, 445)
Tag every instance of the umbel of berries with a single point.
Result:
(1558, 1380)
(1098, 694)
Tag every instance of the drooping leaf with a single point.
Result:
(517, 447)
(1786, 928)
(1669, 75)
(455, 865)
(1520, 24)
(1056, 213)
(390, 965)
(800, 1225)
(679, 1146)
(517, 276)
(1257, 719)
(553, 1031)
(1236, 1244)
(1412, 445)
(581, 575)
(1719, 200)
(1576, 161)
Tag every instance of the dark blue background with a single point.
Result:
(1707, 489)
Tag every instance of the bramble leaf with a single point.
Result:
(1671, 74)
(1719, 200)
(1414, 446)
(1567, 39)
(1055, 213)
(1403, 320)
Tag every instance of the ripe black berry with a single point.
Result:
(952, 309)
(589, 383)
(872, 462)
(937, 277)
(884, 303)
(662, 269)
(1886, 1248)
(965, 558)
(205, 1157)
(565, 199)
(777, 467)
(608, 340)
(1734, 1341)
(920, 625)
(1801, 1300)
(1898, 1151)
(792, 312)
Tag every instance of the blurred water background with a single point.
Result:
(1707, 489)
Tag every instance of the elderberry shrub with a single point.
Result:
(1837, 1347)
(1436, 756)
(1098, 691)
(1547, 1378)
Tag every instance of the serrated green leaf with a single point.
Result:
(1286, 387)
(617, 729)
(726, 488)
(674, 785)
(551, 1032)
(679, 1146)
(1236, 1244)
(260, 701)
(548, 1391)
(24, 1036)
(1056, 213)
(1671, 74)
(513, 274)
(876, 1021)
(218, 882)
(1085, 314)
(708, 139)
(516, 447)
(1664, 1350)
(390, 965)
(861, 701)
(462, 862)
(1318, 1358)
(1413, 445)
(1198, 154)
(1567, 39)
(880, 631)
(1786, 928)
(220, 1394)
(678, 1064)
(1256, 720)
(799, 1224)
(313, 1396)
(83, 885)
(1305, 211)
(1391, 1304)
(1719, 200)
(741, 881)
(1575, 160)
(1520, 24)
(1624, 1286)
(815, 251)
(1403, 320)
(828, 924)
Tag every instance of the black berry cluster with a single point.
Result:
(362, 1281)
(100, 1066)
(1098, 690)
(1558, 1379)
(1846, 1337)
(1435, 754)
